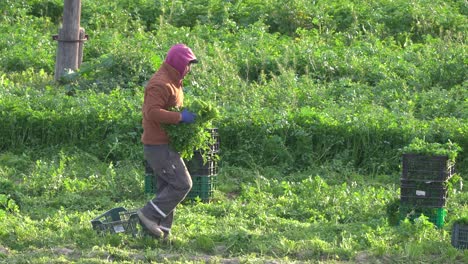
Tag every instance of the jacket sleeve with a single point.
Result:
(155, 100)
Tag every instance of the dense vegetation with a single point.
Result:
(317, 101)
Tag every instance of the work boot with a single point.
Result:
(151, 226)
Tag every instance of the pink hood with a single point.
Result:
(179, 56)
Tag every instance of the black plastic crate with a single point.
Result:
(116, 220)
(203, 188)
(426, 168)
(460, 236)
(423, 194)
(202, 167)
(434, 215)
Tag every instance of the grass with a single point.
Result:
(258, 217)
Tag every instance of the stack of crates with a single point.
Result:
(203, 168)
(423, 189)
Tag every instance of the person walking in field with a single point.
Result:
(163, 92)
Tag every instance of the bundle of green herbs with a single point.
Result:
(187, 138)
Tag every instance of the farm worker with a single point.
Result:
(164, 91)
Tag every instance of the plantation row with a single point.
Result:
(108, 125)
(125, 53)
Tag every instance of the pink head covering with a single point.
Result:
(179, 56)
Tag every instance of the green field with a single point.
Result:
(318, 101)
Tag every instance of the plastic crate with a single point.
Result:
(199, 167)
(203, 187)
(434, 215)
(423, 194)
(214, 148)
(426, 168)
(460, 236)
(196, 167)
(116, 220)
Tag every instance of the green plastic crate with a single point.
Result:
(434, 215)
(203, 178)
(116, 220)
(203, 187)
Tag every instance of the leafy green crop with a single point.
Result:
(420, 146)
(186, 138)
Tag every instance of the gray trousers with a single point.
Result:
(173, 184)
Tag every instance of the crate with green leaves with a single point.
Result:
(116, 220)
(424, 161)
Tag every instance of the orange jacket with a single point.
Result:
(163, 91)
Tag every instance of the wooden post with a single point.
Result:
(69, 39)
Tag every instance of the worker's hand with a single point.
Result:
(187, 117)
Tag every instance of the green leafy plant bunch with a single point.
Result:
(420, 146)
(186, 138)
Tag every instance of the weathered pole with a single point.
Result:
(69, 39)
